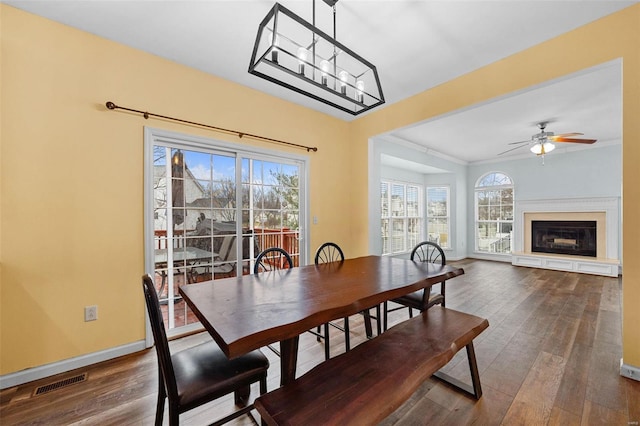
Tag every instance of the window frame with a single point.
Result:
(499, 187)
(158, 137)
(408, 242)
(447, 217)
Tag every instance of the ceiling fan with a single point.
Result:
(541, 143)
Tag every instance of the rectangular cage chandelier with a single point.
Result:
(297, 55)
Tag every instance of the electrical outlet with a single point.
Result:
(91, 313)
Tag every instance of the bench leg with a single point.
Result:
(475, 390)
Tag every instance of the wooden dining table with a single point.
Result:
(249, 312)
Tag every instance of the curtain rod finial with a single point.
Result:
(111, 105)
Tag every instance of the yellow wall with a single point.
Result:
(72, 189)
(71, 172)
(615, 36)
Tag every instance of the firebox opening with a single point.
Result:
(573, 237)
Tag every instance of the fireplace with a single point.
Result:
(604, 212)
(572, 237)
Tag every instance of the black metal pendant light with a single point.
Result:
(297, 55)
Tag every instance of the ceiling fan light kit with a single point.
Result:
(542, 148)
(542, 141)
(295, 54)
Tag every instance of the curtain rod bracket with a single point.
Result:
(110, 105)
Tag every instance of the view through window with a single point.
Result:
(438, 215)
(494, 213)
(402, 216)
(213, 212)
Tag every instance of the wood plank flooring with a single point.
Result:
(551, 356)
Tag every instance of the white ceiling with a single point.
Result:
(415, 45)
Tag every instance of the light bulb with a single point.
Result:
(343, 81)
(324, 68)
(359, 92)
(274, 48)
(302, 57)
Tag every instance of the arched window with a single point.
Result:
(494, 213)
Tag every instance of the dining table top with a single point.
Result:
(248, 312)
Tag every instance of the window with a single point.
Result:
(210, 208)
(438, 215)
(402, 223)
(494, 213)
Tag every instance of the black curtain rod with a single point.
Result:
(146, 115)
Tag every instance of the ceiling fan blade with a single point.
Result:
(566, 135)
(516, 143)
(574, 140)
(512, 149)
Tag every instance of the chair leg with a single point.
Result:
(385, 319)
(163, 282)
(442, 287)
(160, 409)
(327, 346)
(162, 395)
(263, 385)
(347, 343)
(242, 395)
(317, 335)
(173, 414)
(378, 323)
(367, 323)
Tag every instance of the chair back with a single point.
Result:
(329, 252)
(272, 259)
(228, 248)
(428, 251)
(160, 337)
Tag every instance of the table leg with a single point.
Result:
(288, 360)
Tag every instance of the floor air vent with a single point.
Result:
(60, 384)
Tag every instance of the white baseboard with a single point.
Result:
(629, 371)
(40, 372)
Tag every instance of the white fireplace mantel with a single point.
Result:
(602, 265)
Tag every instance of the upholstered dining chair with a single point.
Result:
(331, 252)
(426, 251)
(198, 375)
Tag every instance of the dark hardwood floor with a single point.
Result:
(551, 356)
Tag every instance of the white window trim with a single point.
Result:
(448, 216)
(475, 218)
(154, 136)
(421, 212)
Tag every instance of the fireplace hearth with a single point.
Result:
(568, 237)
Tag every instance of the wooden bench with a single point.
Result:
(366, 384)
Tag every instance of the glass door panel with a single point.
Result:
(271, 206)
(196, 209)
(194, 223)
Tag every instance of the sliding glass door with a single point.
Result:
(210, 209)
